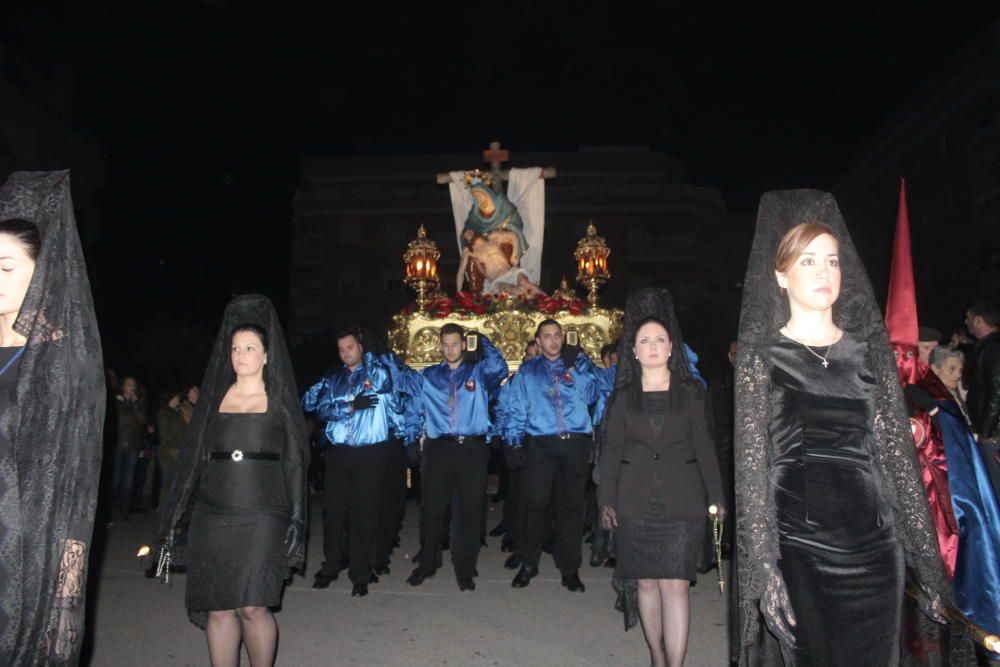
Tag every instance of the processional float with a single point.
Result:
(497, 291)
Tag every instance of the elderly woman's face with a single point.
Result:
(949, 371)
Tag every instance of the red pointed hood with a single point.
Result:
(901, 306)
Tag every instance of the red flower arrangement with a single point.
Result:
(467, 303)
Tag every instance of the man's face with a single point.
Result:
(451, 347)
(531, 351)
(550, 340)
(350, 351)
(925, 347)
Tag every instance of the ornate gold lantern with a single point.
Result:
(592, 262)
(421, 258)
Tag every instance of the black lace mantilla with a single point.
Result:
(54, 425)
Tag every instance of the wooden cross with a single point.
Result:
(496, 156)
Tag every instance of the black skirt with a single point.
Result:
(655, 547)
(235, 560)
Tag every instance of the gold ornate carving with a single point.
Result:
(415, 336)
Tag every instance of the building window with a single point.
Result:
(395, 232)
(349, 282)
(392, 282)
(350, 232)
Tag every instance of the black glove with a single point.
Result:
(364, 401)
(776, 607)
(473, 356)
(931, 604)
(295, 538)
(569, 354)
(515, 457)
(919, 397)
(413, 452)
(609, 518)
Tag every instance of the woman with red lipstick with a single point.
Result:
(659, 474)
(829, 500)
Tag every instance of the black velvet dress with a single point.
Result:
(840, 559)
(236, 555)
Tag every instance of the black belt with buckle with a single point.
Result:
(462, 438)
(239, 455)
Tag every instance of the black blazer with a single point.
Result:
(683, 457)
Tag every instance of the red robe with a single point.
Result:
(934, 468)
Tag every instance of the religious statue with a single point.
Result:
(493, 243)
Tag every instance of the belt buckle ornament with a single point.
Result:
(470, 385)
(564, 436)
(237, 455)
(567, 377)
(460, 439)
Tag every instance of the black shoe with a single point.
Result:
(373, 578)
(572, 582)
(482, 542)
(323, 580)
(611, 562)
(524, 576)
(359, 590)
(596, 560)
(506, 546)
(381, 569)
(513, 562)
(498, 531)
(466, 585)
(418, 577)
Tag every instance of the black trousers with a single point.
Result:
(390, 516)
(354, 477)
(456, 471)
(565, 463)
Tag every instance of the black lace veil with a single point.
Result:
(54, 425)
(282, 396)
(651, 302)
(764, 311)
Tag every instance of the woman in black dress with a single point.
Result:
(829, 497)
(52, 403)
(659, 473)
(242, 475)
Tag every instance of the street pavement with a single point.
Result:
(140, 621)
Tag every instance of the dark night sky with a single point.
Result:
(205, 107)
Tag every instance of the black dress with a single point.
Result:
(236, 556)
(9, 544)
(840, 559)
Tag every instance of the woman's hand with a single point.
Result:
(776, 607)
(609, 518)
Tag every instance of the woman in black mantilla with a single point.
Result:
(52, 404)
(241, 476)
(659, 474)
(829, 500)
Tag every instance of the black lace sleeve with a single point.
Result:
(756, 527)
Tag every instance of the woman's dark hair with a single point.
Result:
(25, 232)
(652, 319)
(255, 328)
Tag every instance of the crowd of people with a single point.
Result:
(849, 454)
